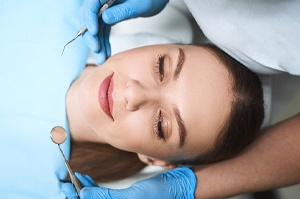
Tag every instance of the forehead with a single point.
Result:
(205, 97)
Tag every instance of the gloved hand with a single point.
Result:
(97, 37)
(126, 9)
(179, 183)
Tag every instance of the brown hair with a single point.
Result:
(105, 163)
(246, 116)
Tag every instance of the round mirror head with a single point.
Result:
(58, 135)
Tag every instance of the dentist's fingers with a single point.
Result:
(126, 9)
(89, 12)
(85, 180)
(120, 12)
(92, 42)
(105, 50)
(69, 190)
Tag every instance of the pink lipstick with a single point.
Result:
(105, 95)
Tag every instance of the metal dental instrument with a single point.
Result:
(58, 136)
(83, 29)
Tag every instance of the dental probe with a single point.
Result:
(83, 29)
(58, 136)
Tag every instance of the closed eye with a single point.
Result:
(159, 127)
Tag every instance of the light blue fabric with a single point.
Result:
(34, 79)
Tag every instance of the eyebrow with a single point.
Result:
(180, 122)
(180, 61)
(182, 129)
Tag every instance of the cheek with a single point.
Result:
(137, 67)
(132, 133)
(88, 100)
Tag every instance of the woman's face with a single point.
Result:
(165, 101)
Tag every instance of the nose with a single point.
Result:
(137, 95)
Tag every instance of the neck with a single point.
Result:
(79, 128)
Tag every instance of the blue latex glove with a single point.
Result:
(97, 36)
(96, 39)
(179, 183)
(126, 9)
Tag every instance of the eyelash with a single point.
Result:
(158, 127)
(160, 70)
(160, 67)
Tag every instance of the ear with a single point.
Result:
(155, 162)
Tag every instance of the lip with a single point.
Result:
(105, 95)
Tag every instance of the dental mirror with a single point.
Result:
(58, 136)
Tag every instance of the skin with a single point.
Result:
(199, 92)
